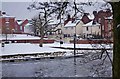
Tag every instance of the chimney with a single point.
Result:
(4, 13)
(68, 17)
(95, 13)
(95, 16)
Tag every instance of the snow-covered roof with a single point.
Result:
(28, 24)
(72, 24)
(52, 22)
(19, 22)
(91, 24)
(111, 17)
(91, 16)
(7, 16)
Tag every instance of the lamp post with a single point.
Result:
(74, 45)
(75, 52)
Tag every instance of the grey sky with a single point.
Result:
(18, 9)
(56, 0)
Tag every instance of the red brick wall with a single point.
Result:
(32, 41)
(92, 41)
(11, 24)
(17, 26)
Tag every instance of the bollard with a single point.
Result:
(3, 44)
(61, 42)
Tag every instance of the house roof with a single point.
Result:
(52, 22)
(91, 16)
(91, 24)
(6, 16)
(28, 24)
(22, 22)
(111, 17)
(19, 22)
(72, 24)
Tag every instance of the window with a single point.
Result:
(87, 28)
(7, 19)
(7, 24)
(65, 28)
(109, 21)
(20, 27)
(71, 27)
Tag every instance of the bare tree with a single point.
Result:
(59, 9)
(47, 12)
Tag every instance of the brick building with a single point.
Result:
(10, 25)
(104, 17)
(101, 24)
(21, 24)
(7, 23)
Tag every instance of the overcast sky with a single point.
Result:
(19, 9)
(56, 0)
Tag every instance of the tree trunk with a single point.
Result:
(41, 37)
(116, 40)
(41, 41)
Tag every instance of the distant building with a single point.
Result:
(99, 24)
(72, 27)
(7, 23)
(90, 29)
(104, 17)
(56, 27)
(29, 28)
(10, 25)
(21, 25)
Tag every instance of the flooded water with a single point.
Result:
(49, 68)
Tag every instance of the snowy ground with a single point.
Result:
(27, 48)
(18, 37)
(86, 66)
